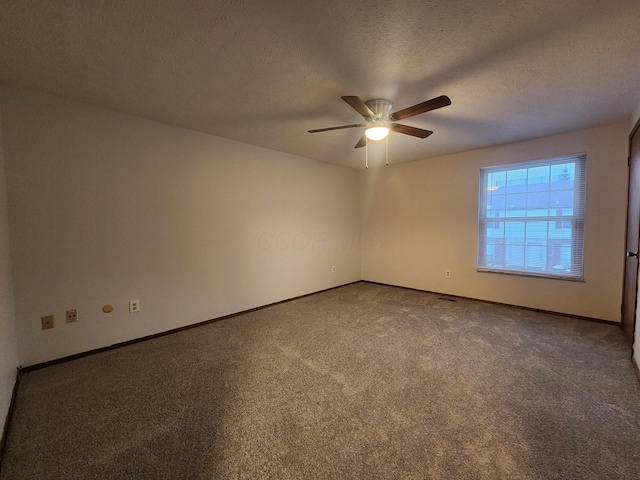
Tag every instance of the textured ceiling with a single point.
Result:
(265, 72)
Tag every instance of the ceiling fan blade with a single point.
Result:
(335, 128)
(438, 102)
(413, 131)
(362, 142)
(359, 106)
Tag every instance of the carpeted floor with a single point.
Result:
(363, 382)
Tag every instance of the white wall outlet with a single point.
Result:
(134, 306)
(333, 268)
(447, 273)
(72, 315)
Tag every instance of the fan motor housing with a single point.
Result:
(381, 107)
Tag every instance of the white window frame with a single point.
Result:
(576, 220)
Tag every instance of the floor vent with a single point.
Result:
(447, 299)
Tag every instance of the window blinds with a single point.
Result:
(531, 217)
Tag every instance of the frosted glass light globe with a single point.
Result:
(376, 133)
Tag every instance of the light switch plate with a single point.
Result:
(47, 322)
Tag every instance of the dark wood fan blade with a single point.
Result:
(359, 106)
(335, 128)
(413, 131)
(438, 102)
(362, 142)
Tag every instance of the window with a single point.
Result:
(531, 218)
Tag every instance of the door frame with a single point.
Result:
(635, 130)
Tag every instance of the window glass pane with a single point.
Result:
(560, 230)
(560, 256)
(536, 233)
(536, 239)
(538, 201)
(516, 205)
(515, 256)
(495, 229)
(496, 181)
(516, 180)
(495, 252)
(514, 232)
(536, 258)
(561, 198)
(562, 176)
(496, 203)
(538, 179)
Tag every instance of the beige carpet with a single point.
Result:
(362, 382)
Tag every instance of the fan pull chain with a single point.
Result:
(387, 150)
(366, 153)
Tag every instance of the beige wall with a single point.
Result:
(105, 208)
(8, 345)
(420, 218)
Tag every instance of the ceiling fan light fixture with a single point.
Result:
(377, 132)
(380, 119)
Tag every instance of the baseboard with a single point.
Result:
(68, 358)
(7, 420)
(635, 365)
(551, 312)
(225, 317)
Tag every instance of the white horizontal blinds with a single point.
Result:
(531, 217)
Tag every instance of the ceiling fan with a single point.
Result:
(380, 120)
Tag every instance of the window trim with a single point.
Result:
(577, 219)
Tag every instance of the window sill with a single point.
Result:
(571, 278)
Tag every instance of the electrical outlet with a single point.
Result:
(72, 315)
(333, 268)
(134, 306)
(47, 322)
(447, 273)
